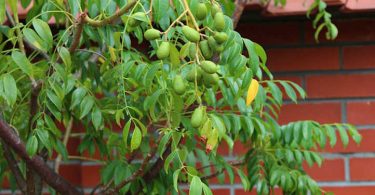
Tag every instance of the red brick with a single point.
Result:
(331, 170)
(277, 191)
(90, 175)
(366, 145)
(321, 112)
(220, 191)
(359, 57)
(351, 190)
(271, 33)
(339, 86)
(350, 30)
(71, 172)
(303, 59)
(361, 113)
(362, 169)
(223, 148)
(240, 148)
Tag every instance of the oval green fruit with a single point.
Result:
(215, 9)
(197, 117)
(192, 51)
(195, 72)
(205, 49)
(201, 11)
(210, 79)
(221, 37)
(219, 21)
(212, 43)
(152, 34)
(163, 50)
(191, 34)
(220, 48)
(209, 67)
(179, 85)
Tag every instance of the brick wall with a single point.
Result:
(339, 79)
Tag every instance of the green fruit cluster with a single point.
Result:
(198, 117)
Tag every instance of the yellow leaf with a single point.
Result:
(252, 91)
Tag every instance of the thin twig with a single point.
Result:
(78, 33)
(134, 176)
(112, 18)
(68, 130)
(13, 166)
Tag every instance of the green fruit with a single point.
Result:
(192, 50)
(179, 85)
(163, 51)
(220, 48)
(221, 37)
(215, 9)
(210, 79)
(191, 34)
(209, 67)
(196, 71)
(197, 117)
(201, 11)
(205, 49)
(212, 43)
(152, 34)
(219, 21)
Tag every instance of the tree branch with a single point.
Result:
(13, 166)
(134, 176)
(36, 163)
(78, 33)
(112, 18)
(240, 6)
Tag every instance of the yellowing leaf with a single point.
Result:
(252, 91)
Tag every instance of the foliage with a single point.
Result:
(177, 91)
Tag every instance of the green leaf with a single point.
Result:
(343, 134)
(35, 40)
(61, 149)
(86, 106)
(2, 11)
(65, 56)
(206, 189)
(43, 137)
(32, 145)
(23, 63)
(174, 55)
(43, 30)
(289, 91)
(175, 179)
(77, 97)
(55, 100)
(244, 179)
(168, 160)
(331, 134)
(97, 118)
(10, 89)
(125, 132)
(13, 6)
(163, 142)
(136, 140)
(195, 186)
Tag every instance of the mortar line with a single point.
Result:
(347, 169)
